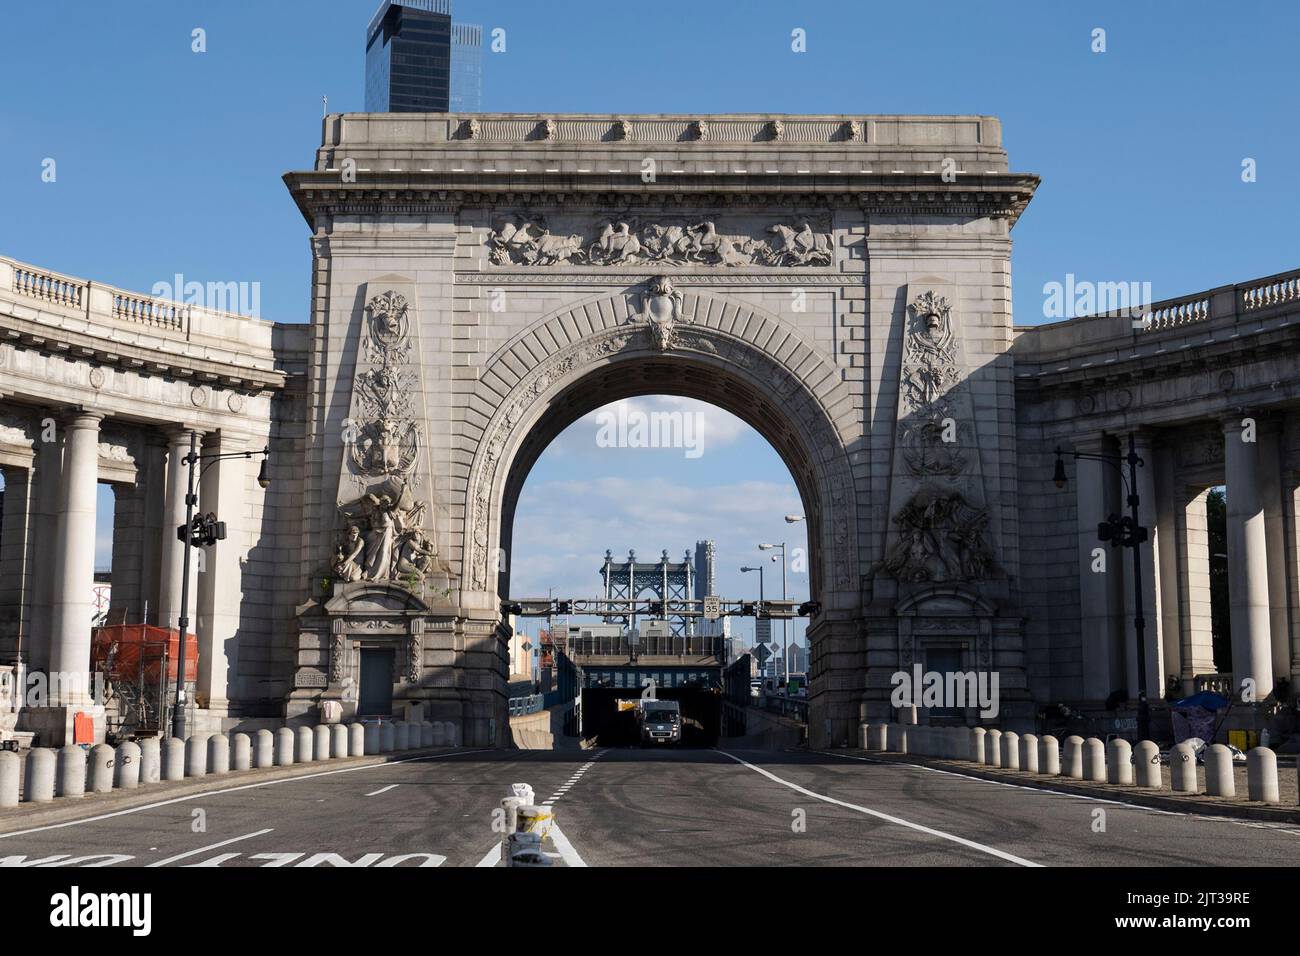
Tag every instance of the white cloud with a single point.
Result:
(717, 428)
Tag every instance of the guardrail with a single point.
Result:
(532, 704)
(795, 708)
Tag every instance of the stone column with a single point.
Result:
(1195, 619)
(220, 584)
(48, 478)
(15, 564)
(74, 568)
(1171, 544)
(1252, 651)
(172, 562)
(1148, 554)
(1098, 592)
(1270, 490)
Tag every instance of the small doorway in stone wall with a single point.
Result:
(375, 698)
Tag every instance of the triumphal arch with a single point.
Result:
(842, 283)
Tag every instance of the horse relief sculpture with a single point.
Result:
(528, 241)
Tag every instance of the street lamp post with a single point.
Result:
(759, 569)
(1125, 532)
(194, 533)
(785, 645)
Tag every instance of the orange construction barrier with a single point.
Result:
(126, 651)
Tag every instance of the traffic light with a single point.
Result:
(1121, 532)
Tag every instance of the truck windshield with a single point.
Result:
(660, 716)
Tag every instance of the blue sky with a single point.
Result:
(170, 161)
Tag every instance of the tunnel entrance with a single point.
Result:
(701, 708)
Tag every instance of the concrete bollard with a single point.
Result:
(1072, 758)
(1119, 762)
(304, 745)
(439, 734)
(372, 740)
(978, 738)
(1182, 769)
(993, 748)
(356, 740)
(102, 760)
(173, 758)
(1094, 760)
(72, 771)
(510, 812)
(426, 733)
(1146, 766)
(1261, 775)
(241, 752)
(387, 737)
(9, 774)
(864, 730)
(1049, 755)
(454, 736)
(150, 761)
(534, 819)
(339, 741)
(264, 749)
(1011, 750)
(127, 776)
(1219, 779)
(1029, 753)
(401, 735)
(218, 754)
(878, 738)
(321, 739)
(38, 785)
(196, 755)
(285, 740)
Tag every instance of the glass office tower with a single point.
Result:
(418, 61)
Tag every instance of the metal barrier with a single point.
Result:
(533, 704)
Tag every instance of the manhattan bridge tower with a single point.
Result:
(665, 579)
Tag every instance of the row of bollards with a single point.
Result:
(74, 771)
(1116, 762)
(526, 829)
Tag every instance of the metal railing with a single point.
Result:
(796, 708)
(532, 704)
(647, 646)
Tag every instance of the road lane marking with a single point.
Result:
(215, 846)
(204, 794)
(375, 793)
(1013, 786)
(982, 848)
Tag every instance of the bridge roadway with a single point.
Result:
(632, 807)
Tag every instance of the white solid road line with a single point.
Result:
(204, 794)
(982, 848)
(375, 793)
(215, 846)
(1007, 783)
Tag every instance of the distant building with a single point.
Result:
(419, 61)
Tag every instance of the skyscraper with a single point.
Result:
(418, 61)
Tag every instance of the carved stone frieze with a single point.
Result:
(522, 239)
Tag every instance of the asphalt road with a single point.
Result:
(650, 808)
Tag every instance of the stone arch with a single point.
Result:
(725, 352)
